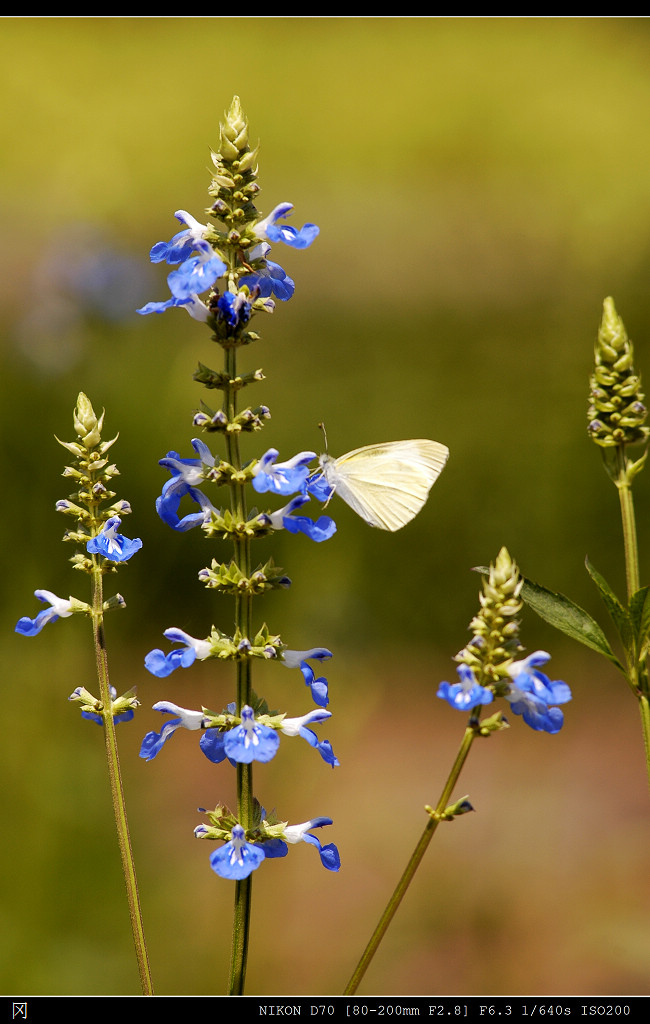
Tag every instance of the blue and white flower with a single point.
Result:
(329, 854)
(196, 273)
(162, 665)
(316, 529)
(268, 280)
(186, 474)
(194, 306)
(466, 694)
(298, 727)
(153, 742)
(183, 244)
(250, 741)
(274, 232)
(300, 659)
(110, 544)
(59, 609)
(238, 858)
(531, 693)
(282, 477)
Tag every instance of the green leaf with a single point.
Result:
(619, 614)
(569, 618)
(640, 615)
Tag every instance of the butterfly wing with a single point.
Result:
(387, 484)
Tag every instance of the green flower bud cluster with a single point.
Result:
(229, 526)
(495, 643)
(234, 184)
(229, 579)
(238, 647)
(617, 412)
(92, 705)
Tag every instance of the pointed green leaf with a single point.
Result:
(640, 615)
(619, 614)
(569, 618)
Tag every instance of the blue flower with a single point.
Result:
(531, 693)
(329, 854)
(186, 474)
(319, 488)
(109, 544)
(238, 858)
(298, 727)
(195, 274)
(269, 280)
(182, 244)
(466, 694)
(282, 477)
(153, 742)
(162, 665)
(317, 530)
(300, 659)
(59, 608)
(235, 309)
(250, 741)
(269, 228)
(194, 306)
(212, 744)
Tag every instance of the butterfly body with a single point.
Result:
(386, 484)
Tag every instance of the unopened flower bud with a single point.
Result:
(86, 424)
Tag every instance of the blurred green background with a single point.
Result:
(481, 185)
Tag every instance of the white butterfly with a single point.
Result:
(386, 484)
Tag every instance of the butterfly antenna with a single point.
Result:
(321, 426)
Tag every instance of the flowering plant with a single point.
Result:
(224, 278)
(101, 550)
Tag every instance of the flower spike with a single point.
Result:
(487, 667)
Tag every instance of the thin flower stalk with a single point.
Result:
(103, 549)
(487, 670)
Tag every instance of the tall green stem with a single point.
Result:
(243, 623)
(117, 792)
(624, 488)
(632, 575)
(435, 817)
